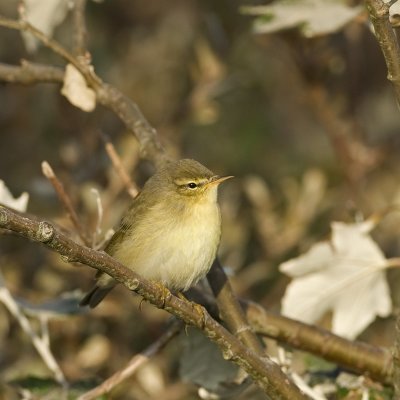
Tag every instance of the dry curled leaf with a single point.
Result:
(345, 276)
(76, 90)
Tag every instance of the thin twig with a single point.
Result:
(29, 73)
(65, 201)
(379, 14)
(80, 32)
(264, 372)
(41, 344)
(133, 365)
(100, 213)
(131, 188)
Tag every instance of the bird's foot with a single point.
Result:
(165, 294)
(198, 308)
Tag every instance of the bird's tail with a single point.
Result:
(95, 296)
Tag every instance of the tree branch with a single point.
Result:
(29, 73)
(363, 358)
(379, 14)
(265, 373)
(80, 32)
(230, 309)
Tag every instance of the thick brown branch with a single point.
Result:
(362, 358)
(359, 357)
(264, 372)
(379, 14)
(230, 309)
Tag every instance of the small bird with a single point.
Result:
(171, 232)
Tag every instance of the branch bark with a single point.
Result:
(379, 14)
(230, 309)
(363, 358)
(265, 373)
(80, 32)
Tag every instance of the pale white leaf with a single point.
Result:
(394, 14)
(43, 15)
(345, 276)
(77, 91)
(313, 17)
(17, 203)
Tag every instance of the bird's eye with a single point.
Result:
(192, 185)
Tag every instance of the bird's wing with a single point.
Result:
(127, 223)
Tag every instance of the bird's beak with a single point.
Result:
(216, 180)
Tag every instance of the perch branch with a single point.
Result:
(263, 371)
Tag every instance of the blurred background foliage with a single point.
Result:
(309, 128)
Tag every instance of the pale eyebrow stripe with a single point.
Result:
(185, 181)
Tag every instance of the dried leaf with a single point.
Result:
(313, 17)
(345, 276)
(43, 15)
(202, 364)
(66, 304)
(77, 91)
(6, 198)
